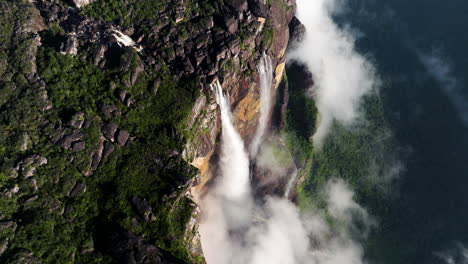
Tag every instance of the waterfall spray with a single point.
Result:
(265, 70)
(234, 164)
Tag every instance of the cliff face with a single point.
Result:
(269, 34)
(104, 107)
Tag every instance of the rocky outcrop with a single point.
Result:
(296, 30)
(268, 33)
(98, 148)
(81, 3)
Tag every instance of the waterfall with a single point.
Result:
(228, 206)
(234, 162)
(265, 70)
(291, 182)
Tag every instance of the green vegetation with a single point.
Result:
(52, 225)
(362, 154)
(143, 14)
(267, 33)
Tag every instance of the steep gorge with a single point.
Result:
(105, 104)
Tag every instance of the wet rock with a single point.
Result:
(78, 189)
(122, 137)
(296, 30)
(108, 130)
(142, 208)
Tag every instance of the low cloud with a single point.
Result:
(441, 69)
(342, 76)
(457, 254)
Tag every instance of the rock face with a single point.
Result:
(81, 3)
(93, 140)
(296, 30)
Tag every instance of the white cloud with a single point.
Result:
(440, 68)
(341, 75)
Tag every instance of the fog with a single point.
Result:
(236, 228)
(265, 71)
(341, 75)
(456, 254)
(441, 69)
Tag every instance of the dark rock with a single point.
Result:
(31, 199)
(200, 56)
(179, 50)
(202, 41)
(142, 208)
(234, 46)
(108, 149)
(139, 68)
(108, 130)
(8, 226)
(70, 46)
(66, 141)
(78, 146)
(122, 137)
(109, 110)
(80, 3)
(22, 256)
(258, 8)
(207, 22)
(129, 101)
(3, 246)
(231, 24)
(67, 209)
(188, 66)
(97, 157)
(123, 95)
(296, 30)
(77, 120)
(239, 5)
(78, 189)
(28, 166)
(98, 53)
(221, 53)
(127, 248)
